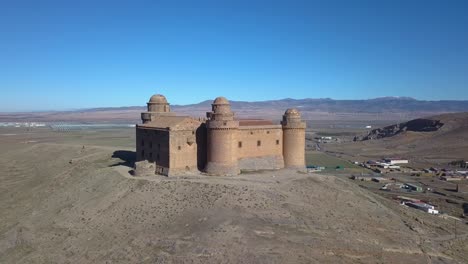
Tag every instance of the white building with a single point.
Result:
(423, 207)
(396, 161)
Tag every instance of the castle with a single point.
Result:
(169, 144)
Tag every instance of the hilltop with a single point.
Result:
(80, 205)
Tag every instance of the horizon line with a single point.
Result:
(237, 101)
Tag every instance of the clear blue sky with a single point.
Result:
(79, 54)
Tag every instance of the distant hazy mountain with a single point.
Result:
(378, 105)
(394, 108)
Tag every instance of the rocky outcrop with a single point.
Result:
(416, 125)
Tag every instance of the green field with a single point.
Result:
(316, 158)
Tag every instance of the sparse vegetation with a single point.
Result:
(95, 203)
(322, 159)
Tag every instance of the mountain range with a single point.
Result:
(386, 108)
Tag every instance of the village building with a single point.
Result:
(221, 144)
(413, 187)
(428, 208)
(451, 178)
(381, 179)
(394, 161)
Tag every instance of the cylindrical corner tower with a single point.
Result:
(293, 139)
(221, 139)
(157, 105)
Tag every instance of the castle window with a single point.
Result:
(151, 155)
(224, 123)
(277, 142)
(251, 132)
(159, 146)
(143, 153)
(259, 143)
(179, 147)
(142, 142)
(268, 132)
(193, 132)
(151, 144)
(239, 144)
(157, 157)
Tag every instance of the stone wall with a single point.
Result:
(259, 141)
(183, 154)
(153, 145)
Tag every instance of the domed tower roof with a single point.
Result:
(158, 103)
(291, 116)
(158, 99)
(292, 112)
(220, 101)
(220, 109)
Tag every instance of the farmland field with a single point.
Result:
(316, 158)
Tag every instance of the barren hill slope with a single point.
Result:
(90, 210)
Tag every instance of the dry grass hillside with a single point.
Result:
(62, 203)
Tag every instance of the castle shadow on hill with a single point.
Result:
(127, 157)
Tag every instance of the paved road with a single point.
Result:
(318, 147)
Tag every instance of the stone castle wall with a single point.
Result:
(259, 141)
(153, 145)
(183, 154)
(260, 147)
